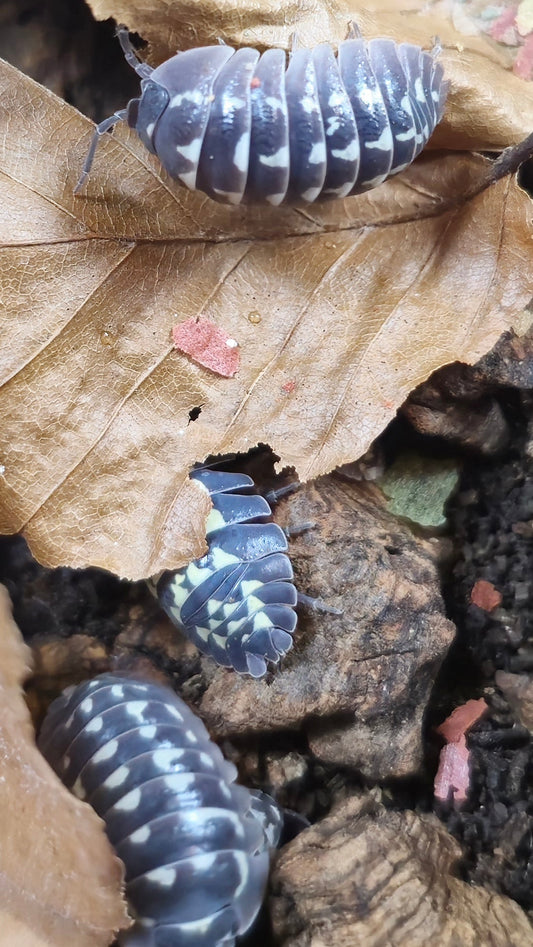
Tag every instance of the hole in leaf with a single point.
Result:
(195, 413)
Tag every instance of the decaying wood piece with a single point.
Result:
(368, 877)
(459, 402)
(357, 683)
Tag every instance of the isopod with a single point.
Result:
(237, 602)
(245, 127)
(195, 845)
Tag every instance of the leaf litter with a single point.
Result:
(60, 882)
(340, 310)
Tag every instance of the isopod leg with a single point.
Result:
(317, 605)
(274, 496)
(100, 130)
(353, 31)
(141, 68)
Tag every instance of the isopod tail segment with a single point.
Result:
(237, 603)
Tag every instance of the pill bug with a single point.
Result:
(236, 603)
(245, 127)
(195, 845)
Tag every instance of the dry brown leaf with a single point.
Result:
(488, 107)
(60, 883)
(340, 311)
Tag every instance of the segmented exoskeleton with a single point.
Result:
(237, 602)
(241, 126)
(195, 846)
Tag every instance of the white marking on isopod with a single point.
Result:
(350, 153)
(229, 608)
(233, 626)
(220, 641)
(273, 103)
(180, 596)
(129, 802)
(86, 705)
(233, 103)
(196, 574)
(117, 690)
(78, 789)
(117, 778)
(202, 633)
(374, 182)
(309, 104)
(141, 835)
(95, 725)
(188, 178)
(212, 606)
(370, 97)
(400, 167)
(215, 521)
(194, 96)
(333, 124)
(150, 129)
(105, 752)
(190, 152)
(179, 782)
(275, 199)
(317, 155)
(230, 197)
(311, 194)
(405, 136)
(249, 586)
(242, 152)
(220, 558)
(279, 159)
(419, 90)
(336, 98)
(342, 191)
(136, 708)
(163, 758)
(147, 732)
(384, 142)
(253, 604)
(262, 621)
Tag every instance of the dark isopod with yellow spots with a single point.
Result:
(237, 602)
(195, 845)
(245, 127)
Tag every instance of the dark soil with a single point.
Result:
(490, 520)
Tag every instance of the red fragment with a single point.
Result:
(485, 595)
(288, 387)
(523, 64)
(461, 719)
(255, 83)
(503, 30)
(453, 776)
(208, 345)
